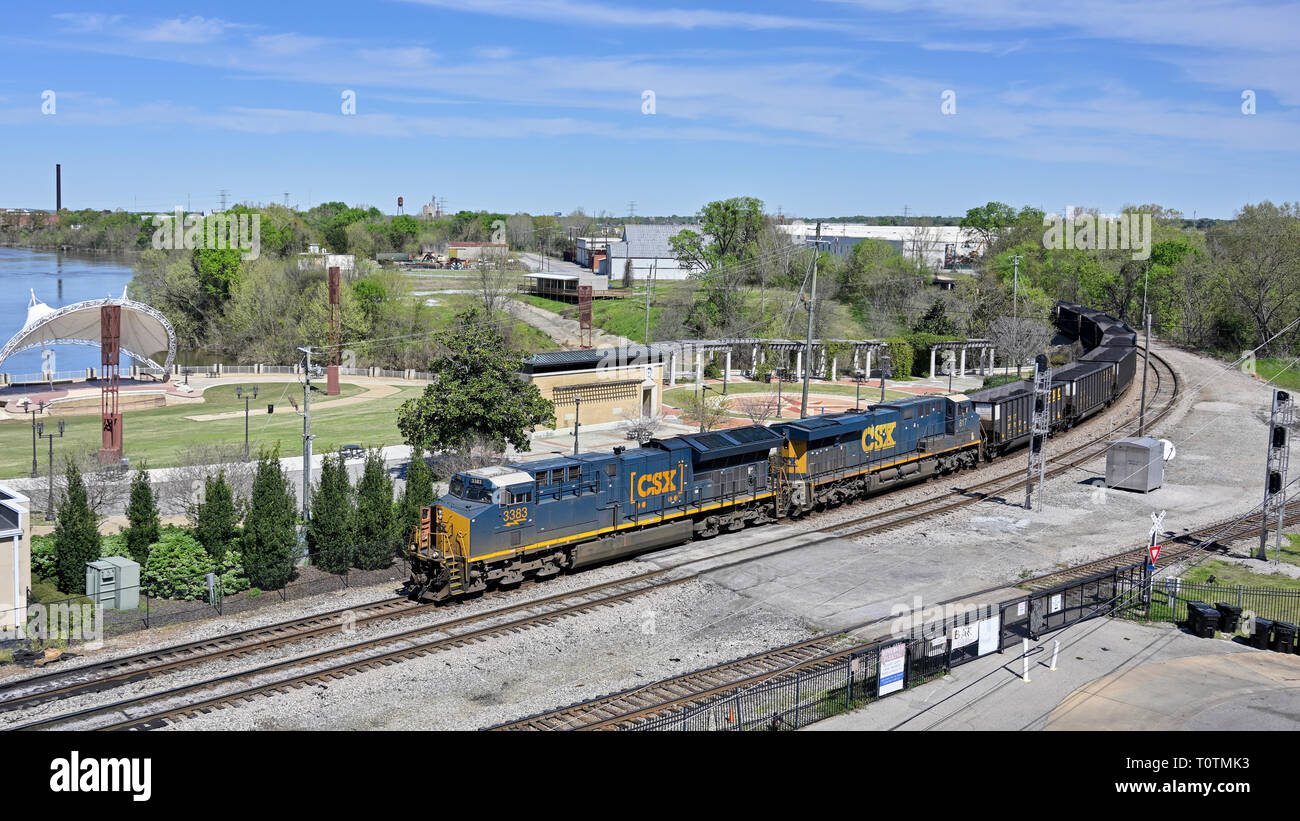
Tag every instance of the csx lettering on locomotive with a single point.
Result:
(651, 484)
(878, 437)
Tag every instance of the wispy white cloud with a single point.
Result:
(191, 31)
(583, 13)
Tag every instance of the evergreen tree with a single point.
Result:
(270, 540)
(76, 535)
(329, 536)
(216, 520)
(418, 493)
(142, 518)
(936, 321)
(375, 523)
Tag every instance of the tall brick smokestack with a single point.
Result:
(58, 187)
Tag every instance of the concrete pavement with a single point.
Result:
(1111, 674)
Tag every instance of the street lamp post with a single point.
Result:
(40, 408)
(704, 403)
(246, 394)
(857, 396)
(40, 431)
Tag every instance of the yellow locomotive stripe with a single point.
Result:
(666, 517)
(639, 523)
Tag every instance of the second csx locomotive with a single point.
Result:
(498, 525)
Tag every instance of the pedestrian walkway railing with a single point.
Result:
(861, 675)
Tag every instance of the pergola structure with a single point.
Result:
(115, 326)
(690, 356)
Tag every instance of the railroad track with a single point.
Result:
(153, 710)
(688, 689)
(626, 708)
(1004, 483)
(90, 678)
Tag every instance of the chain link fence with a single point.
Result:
(224, 592)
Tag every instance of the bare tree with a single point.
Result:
(495, 280)
(643, 430)
(1021, 339)
(705, 409)
(182, 491)
(759, 407)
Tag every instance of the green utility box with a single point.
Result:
(114, 583)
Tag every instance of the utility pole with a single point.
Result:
(1015, 309)
(886, 371)
(812, 299)
(1040, 423)
(648, 285)
(1146, 358)
(306, 437)
(577, 407)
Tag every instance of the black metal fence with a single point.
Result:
(964, 633)
(1170, 597)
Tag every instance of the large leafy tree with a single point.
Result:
(477, 394)
(216, 519)
(330, 534)
(76, 534)
(270, 529)
(989, 220)
(376, 525)
(142, 517)
(721, 255)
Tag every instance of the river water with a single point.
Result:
(58, 279)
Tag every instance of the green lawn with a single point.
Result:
(159, 436)
(622, 317)
(1269, 368)
(1240, 575)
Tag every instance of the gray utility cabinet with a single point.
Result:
(1136, 463)
(114, 582)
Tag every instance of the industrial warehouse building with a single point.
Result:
(648, 250)
(15, 558)
(940, 247)
(614, 384)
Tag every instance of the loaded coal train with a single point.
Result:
(498, 525)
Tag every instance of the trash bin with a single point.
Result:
(1229, 617)
(1263, 631)
(1207, 619)
(1283, 637)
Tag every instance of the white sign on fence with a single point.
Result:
(892, 661)
(989, 631)
(1054, 604)
(964, 635)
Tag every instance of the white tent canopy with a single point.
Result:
(145, 331)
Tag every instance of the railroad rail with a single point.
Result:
(88, 678)
(152, 710)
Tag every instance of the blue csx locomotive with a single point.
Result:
(497, 525)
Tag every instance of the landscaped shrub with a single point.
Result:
(43, 563)
(177, 567)
(900, 356)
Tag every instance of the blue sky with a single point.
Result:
(821, 108)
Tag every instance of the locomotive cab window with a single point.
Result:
(611, 470)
